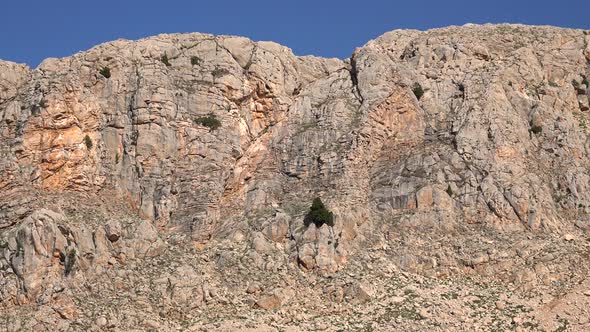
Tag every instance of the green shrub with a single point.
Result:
(418, 91)
(219, 72)
(195, 60)
(105, 72)
(69, 261)
(134, 136)
(450, 190)
(117, 158)
(575, 84)
(536, 129)
(165, 60)
(88, 142)
(210, 121)
(318, 214)
(36, 108)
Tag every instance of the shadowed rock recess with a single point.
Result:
(163, 184)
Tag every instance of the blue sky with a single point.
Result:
(31, 30)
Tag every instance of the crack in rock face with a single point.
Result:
(174, 175)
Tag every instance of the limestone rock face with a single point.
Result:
(46, 248)
(109, 157)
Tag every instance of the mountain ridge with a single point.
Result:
(466, 25)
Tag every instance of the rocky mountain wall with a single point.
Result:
(422, 136)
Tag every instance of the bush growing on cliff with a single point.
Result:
(318, 214)
(195, 60)
(134, 136)
(418, 90)
(535, 123)
(165, 60)
(450, 190)
(69, 261)
(88, 142)
(219, 72)
(105, 72)
(536, 129)
(210, 121)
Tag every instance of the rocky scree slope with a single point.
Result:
(451, 152)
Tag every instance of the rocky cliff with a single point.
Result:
(163, 184)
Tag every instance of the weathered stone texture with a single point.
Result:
(434, 133)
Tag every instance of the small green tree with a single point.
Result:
(318, 214)
(210, 121)
(219, 72)
(88, 142)
(165, 60)
(418, 90)
(134, 136)
(195, 60)
(105, 72)
(69, 261)
(535, 127)
(450, 190)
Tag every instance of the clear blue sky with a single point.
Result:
(31, 30)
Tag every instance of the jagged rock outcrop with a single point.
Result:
(46, 248)
(417, 142)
